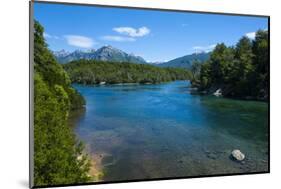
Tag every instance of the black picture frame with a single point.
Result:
(31, 88)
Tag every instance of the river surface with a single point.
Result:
(159, 131)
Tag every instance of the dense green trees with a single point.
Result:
(261, 63)
(240, 71)
(94, 72)
(58, 157)
(195, 70)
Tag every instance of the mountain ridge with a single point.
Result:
(112, 54)
(105, 53)
(186, 61)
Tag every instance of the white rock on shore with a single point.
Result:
(238, 155)
(218, 93)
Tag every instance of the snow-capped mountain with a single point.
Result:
(105, 53)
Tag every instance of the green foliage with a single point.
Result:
(195, 71)
(261, 63)
(58, 157)
(240, 71)
(94, 72)
(221, 61)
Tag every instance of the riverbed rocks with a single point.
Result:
(237, 155)
(213, 154)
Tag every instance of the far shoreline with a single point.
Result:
(194, 92)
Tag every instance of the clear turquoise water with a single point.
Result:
(156, 131)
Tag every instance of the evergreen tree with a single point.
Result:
(58, 156)
(195, 69)
(261, 62)
(242, 68)
(220, 61)
(240, 71)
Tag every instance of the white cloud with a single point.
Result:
(79, 41)
(251, 35)
(207, 48)
(46, 35)
(133, 32)
(118, 38)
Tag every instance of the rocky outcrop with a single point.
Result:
(218, 93)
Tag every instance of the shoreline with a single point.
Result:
(205, 93)
(120, 84)
(96, 167)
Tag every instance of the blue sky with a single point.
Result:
(154, 35)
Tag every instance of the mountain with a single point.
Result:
(61, 53)
(186, 61)
(105, 53)
(156, 62)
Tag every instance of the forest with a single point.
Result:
(58, 156)
(240, 71)
(95, 72)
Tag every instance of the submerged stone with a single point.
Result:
(238, 155)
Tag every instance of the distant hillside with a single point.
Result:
(106, 53)
(89, 72)
(185, 61)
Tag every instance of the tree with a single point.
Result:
(241, 68)
(195, 69)
(221, 59)
(240, 71)
(261, 62)
(56, 150)
(205, 76)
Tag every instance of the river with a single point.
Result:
(159, 131)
